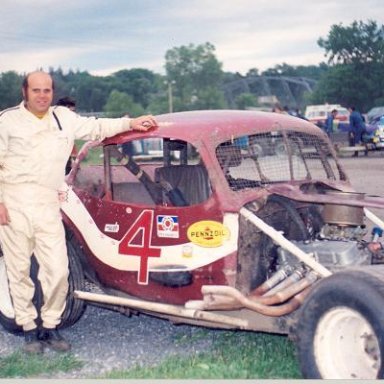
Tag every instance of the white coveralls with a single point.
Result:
(33, 155)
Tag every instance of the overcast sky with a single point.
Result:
(104, 36)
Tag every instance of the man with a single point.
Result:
(36, 140)
(357, 128)
(329, 122)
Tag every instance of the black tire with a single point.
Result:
(74, 308)
(280, 213)
(340, 328)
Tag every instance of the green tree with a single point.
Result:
(92, 92)
(245, 100)
(120, 104)
(140, 83)
(196, 75)
(358, 43)
(10, 89)
(356, 57)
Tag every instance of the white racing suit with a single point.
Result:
(33, 155)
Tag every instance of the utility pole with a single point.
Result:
(170, 94)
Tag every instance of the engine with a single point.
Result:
(340, 241)
(332, 254)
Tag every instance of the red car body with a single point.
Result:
(233, 219)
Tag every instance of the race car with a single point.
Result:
(239, 220)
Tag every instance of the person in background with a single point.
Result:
(328, 126)
(70, 103)
(357, 128)
(36, 140)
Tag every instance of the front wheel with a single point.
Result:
(340, 328)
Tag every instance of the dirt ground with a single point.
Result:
(366, 174)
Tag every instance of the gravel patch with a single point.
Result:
(105, 340)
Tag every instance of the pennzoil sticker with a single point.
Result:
(208, 233)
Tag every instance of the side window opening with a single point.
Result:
(157, 171)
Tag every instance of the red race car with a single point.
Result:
(228, 219)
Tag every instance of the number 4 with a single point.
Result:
(137, 242)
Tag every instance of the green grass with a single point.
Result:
(235, 355)
(20, 365)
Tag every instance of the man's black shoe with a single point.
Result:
(51, 338)
(32, 344)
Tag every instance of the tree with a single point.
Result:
(358, 43)
(197, 76)
(10, 89)
(120, 104)
(356, 58)
(140, 83)
(245, 100)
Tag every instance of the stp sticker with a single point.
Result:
(167, 226)
(207, 233)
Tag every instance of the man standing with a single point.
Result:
(357, 128)
(329, 122)
(36, 140)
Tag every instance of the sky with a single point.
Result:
(104, 36)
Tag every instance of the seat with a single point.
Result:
(191, 180)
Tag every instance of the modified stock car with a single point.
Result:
(228, 219)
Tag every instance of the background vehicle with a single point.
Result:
(374, 114)
(374, 134)
(317, 114)
(253, 225)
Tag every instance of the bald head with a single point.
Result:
(35, 74)
(38, 92)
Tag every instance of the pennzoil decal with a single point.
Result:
(208, 233)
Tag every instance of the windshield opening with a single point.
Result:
(273, 157)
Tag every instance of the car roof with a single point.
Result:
(218, 125)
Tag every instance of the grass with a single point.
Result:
(20, 365)
(235, 355)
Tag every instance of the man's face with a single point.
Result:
(39, 94)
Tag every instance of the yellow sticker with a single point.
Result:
(208, 233)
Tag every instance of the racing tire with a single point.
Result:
(340, 328)
(74, 307)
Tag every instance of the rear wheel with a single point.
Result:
(340, 328)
